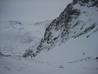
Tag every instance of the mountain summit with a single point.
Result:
(78, 18)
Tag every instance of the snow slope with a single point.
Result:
(78, 54)
(65, 59)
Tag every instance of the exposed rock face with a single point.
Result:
(86, 2)
(78, 18)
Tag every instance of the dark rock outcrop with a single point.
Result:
(71, 23)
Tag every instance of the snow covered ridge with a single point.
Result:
(79, 18)
(86, 2)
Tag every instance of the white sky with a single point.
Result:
(31, 10)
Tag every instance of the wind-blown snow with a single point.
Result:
(15, 36)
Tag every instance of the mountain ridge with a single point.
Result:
(77, 19)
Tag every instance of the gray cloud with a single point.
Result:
(35, 10)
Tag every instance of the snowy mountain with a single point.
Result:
(77, 19)
(72, 39)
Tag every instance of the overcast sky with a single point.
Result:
(31, 10)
